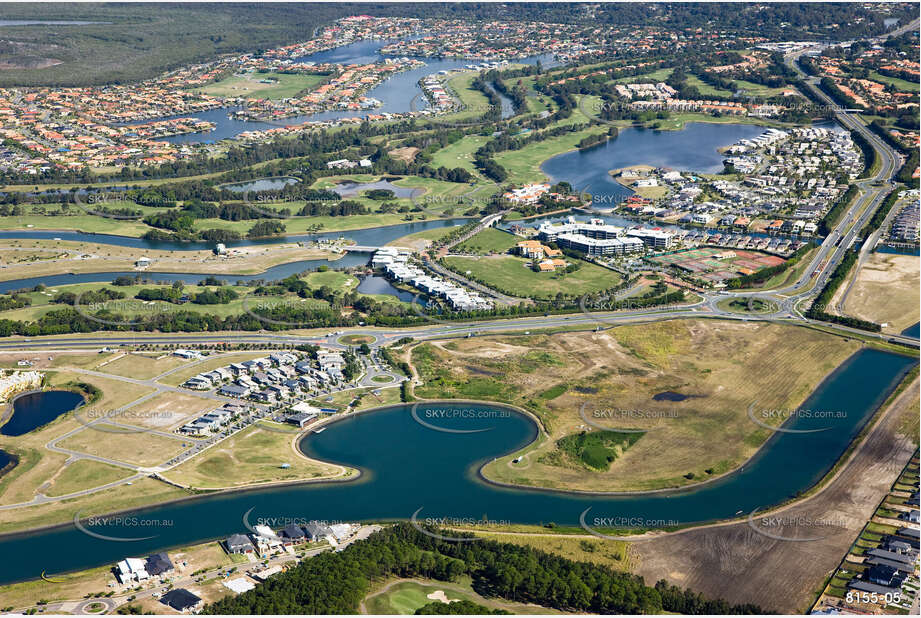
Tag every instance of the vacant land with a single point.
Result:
(166, 410)
(735, 563)
(489, 240)
(143, 492)
(143, 366)
(130, 446)
(36, 258)
(85, 474)
(256, 455)
(887, 291)
(582, 382)
(263, 85)
(511, 275)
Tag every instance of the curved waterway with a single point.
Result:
(371, 236)
(398, 94)
(406, 466)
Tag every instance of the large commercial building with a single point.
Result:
(598, 238)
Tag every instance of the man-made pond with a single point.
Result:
(376, 284)
(32, 410)
(408, 467)
(262, 184)
(355, 189)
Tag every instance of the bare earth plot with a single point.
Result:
(166, 410)
(735, 563)
(887, 291)
(584, 383)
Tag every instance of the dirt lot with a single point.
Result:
(584, 382)
(887, 290)
(736, 563)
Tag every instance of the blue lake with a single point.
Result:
(32, 410)
(407, 466)
(262, 184)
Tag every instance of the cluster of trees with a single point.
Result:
(834, 213)
(266, 228)
(14, 301)
(881, 213)
(89, 297)
(870, 156)
(823, 301)
(336, 582)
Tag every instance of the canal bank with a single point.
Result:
(407, 465)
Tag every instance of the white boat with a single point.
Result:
(320, 430)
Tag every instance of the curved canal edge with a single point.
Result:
(370, 444)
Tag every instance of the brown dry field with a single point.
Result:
(129, 446)
(51, 257)
(406, 154)
(888, 289)
(614, 375)
(141, 366)
(735, 563)
(167, 410)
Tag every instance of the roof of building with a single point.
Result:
(180, 599)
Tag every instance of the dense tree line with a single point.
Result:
(870, 156)
(834, 213)
(817, 311)
(336, 582)
(881, 213)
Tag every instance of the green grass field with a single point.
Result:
(489, 240)
(523, 165)
(405, 597)
(459, 154)
(706, 89)
(250, 85)
(509, 274)
(256, 454)
(85, 474)
(901, 84)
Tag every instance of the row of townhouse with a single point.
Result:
(264, 542)
(395, 263)
(215, 420)
(280, 376)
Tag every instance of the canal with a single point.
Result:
(406, 465)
